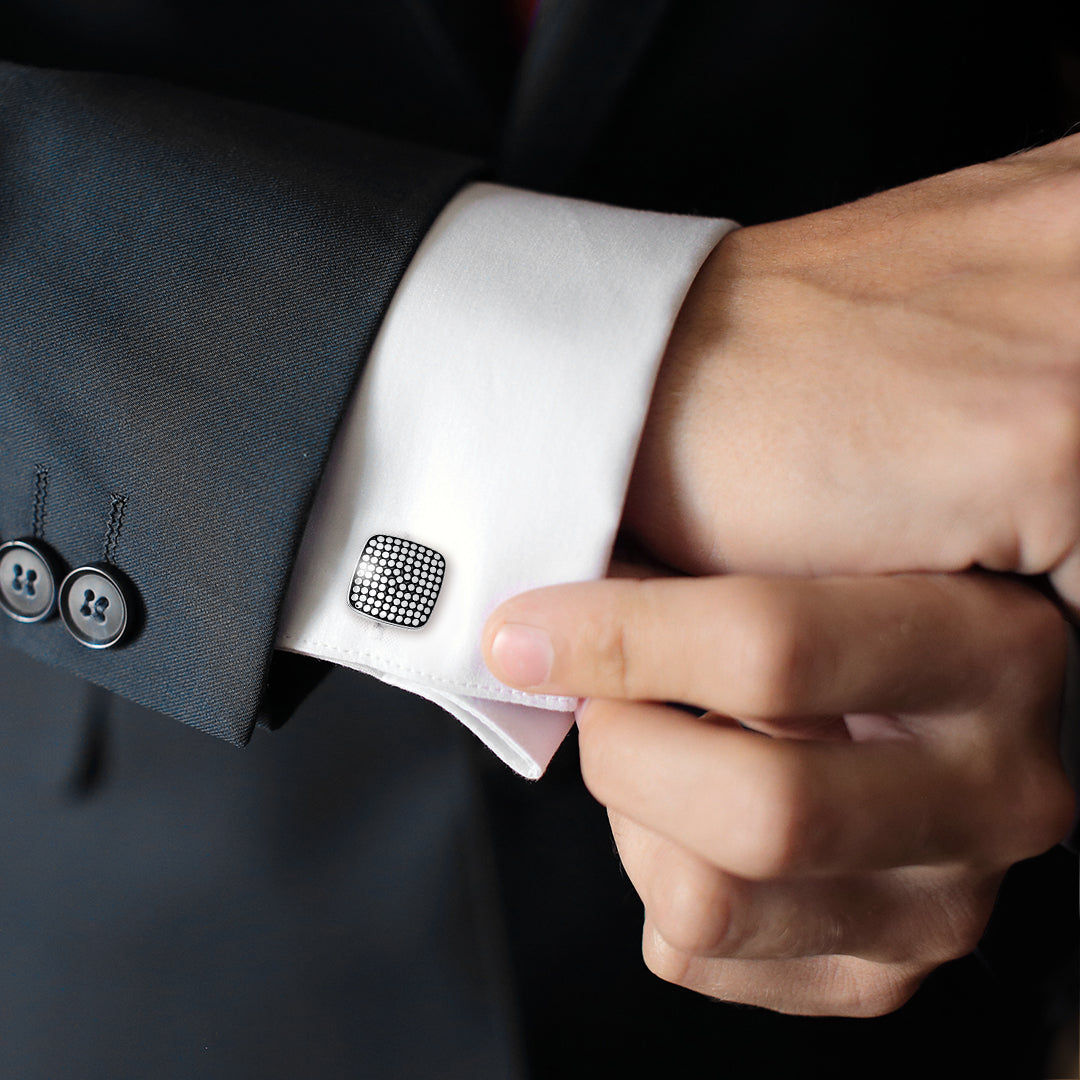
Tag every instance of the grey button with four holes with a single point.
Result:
(27, 581)
(94, 607)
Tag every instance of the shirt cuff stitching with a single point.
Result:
(548, 701)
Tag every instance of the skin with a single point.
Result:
(879, 388)
(887, 386)
(899, 753)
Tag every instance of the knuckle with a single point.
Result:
(693, 914)
(778, 655)
(781, 831)
(597, 747)
(1038, 807)
(1029, 661)
(1033, 811)
(619, 641)
(606, 637)
(663, 960)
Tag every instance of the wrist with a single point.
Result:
(666, 507)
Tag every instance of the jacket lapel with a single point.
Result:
(580, 57)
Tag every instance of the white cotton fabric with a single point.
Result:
(496, 421)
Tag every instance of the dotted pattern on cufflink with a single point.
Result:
(397, 581)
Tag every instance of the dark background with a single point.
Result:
(173, 907)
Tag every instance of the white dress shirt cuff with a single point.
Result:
(496, 422)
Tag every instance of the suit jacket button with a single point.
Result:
(27, 580)
(94, 606)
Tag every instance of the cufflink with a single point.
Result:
(397, 581)
(29, 571)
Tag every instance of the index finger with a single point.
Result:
(766, 808)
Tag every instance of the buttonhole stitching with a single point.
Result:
(117, 503)
(41, 494)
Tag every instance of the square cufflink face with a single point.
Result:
(397, 581)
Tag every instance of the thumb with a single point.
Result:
(772, 647)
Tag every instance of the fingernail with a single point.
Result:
(522, 655)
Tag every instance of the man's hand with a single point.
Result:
(891, 385)
(828, 869)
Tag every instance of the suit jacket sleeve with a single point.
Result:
(188, 290)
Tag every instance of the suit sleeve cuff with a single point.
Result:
(496, 423)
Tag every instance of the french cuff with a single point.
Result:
(495, 426)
